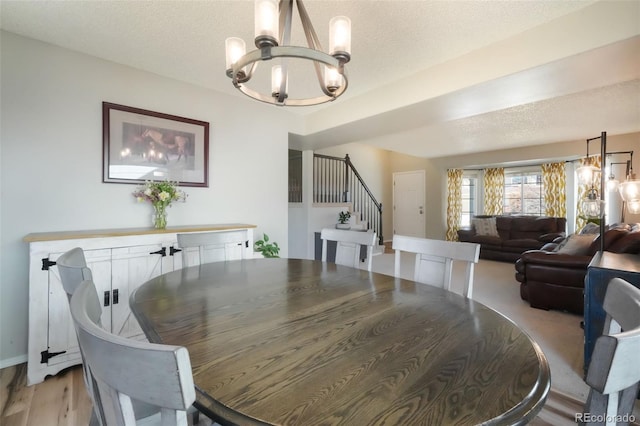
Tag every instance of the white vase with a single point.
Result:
(343, 226)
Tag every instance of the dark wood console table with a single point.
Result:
(603, 267)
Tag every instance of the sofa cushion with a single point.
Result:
(576, 244)
(485, 226)
(523, 243)
(629, 243)
(610, 237)
(486, 240)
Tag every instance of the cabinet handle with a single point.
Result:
(106, 298)
(173, 251)
(162, 252)
(116, 298)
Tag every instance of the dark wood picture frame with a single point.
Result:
(141, 145)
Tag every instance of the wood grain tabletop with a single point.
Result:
(301, 342)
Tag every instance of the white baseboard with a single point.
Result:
(4, 363)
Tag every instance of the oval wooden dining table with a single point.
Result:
(301, 342)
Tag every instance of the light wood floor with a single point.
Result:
(62, 400)
(58, 401)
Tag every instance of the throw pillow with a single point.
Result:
(485, 226)
(590, 228)
(577, 245)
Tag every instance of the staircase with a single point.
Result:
(336, 180)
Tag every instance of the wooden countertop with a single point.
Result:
(618, 261)
(101, 233)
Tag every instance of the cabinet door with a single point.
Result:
(61, 332)
(234, 251)
(131, 267)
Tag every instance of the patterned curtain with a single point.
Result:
(454, 203)
(581, 219)
(493, 191)
(555, 193)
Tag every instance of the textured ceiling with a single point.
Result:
(393, 41)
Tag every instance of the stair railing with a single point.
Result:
(336, 180)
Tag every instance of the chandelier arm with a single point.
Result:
(286, 14)
(314, 43)
(310, 33)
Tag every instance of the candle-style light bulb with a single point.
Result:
(266, 23)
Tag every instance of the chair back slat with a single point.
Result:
(124, 369)
(206, 247)
(614, 371)
(434, 260)
(348, 246)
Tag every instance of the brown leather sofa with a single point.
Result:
(516, 234)
(552, 279)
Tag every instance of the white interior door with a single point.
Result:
(408, 203)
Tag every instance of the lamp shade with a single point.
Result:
(276, 81)
(332, 79)
(266, 22)
(340, 35)
(630, 190)
(235, 48)
(633, 206)
(593, 208)
(612, 184)
(586, 174)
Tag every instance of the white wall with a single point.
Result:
(51, 174)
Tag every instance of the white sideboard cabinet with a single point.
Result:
(120, 261)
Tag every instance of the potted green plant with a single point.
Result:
(267, 248)
(343, 220)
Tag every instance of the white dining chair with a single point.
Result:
(207, 247)
(434, 260)
(123, 369)
(613, 374)
(348, 246)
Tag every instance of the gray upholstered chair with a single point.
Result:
(124, 369)
(434, 260)
(73, 270)
(348, 245)
(614, 371)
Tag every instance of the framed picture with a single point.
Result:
(141, 145)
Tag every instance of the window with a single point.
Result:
(469, 196)
(523, 193)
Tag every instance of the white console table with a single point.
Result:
(120, 260)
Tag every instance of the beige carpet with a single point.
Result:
(558, 333)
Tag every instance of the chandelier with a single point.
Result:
(273, 21)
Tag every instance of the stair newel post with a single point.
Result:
(380, 224)
(347, 164)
